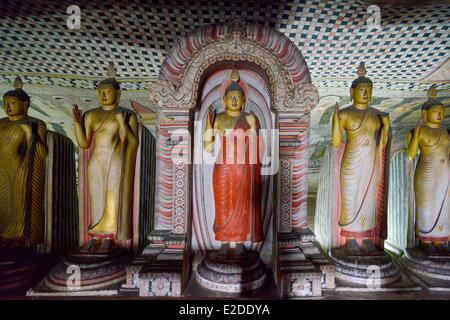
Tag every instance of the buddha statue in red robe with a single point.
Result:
(236, 175)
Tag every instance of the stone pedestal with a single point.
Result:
(431, 270)
(231, 272)
(99, 273)
(305, 270)
(364, 270)
(302, 284)
(162, 268)
(19, 269)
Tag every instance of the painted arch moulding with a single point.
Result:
(287, 71)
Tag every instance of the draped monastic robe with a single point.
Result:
(362, 181)
(107, 176)
(22, 182)
(431, 187)
(237, 188)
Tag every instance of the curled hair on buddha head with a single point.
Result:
(18, 92)
(234, 85)
(432, 101)
(111, 80)
(361, 76)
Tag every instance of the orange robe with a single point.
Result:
(237, 190)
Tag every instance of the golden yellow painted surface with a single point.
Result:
(432, 175)
(111, 135)
(23, 153)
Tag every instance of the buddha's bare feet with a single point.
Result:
(89, 246)
(352, 248)
(240, 249)
(370, 248)
(106, 245)
(224, 249)
(442, 247)
(427, 248)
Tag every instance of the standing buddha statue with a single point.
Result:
(107, 137)
(361, 182)
(237, 195)
(108, 141)
(431, 177)
(23, 153)
(236, 178)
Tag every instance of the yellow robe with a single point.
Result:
(22, 182)
(432, 191)
(107, 176)
(361, 178)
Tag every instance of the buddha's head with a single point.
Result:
(17, 101)
(361, 88)
(109, 92)
(234, 94)
(433, 109)
(109, 89)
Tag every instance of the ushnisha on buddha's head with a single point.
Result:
(361, 88)
(109, 89)
(234, 94)
(16, 102)
(433, 109)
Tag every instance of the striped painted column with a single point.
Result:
(400, 203)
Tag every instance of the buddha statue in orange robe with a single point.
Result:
(236, 175)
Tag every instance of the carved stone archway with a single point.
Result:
(166, 260)
(175, 93)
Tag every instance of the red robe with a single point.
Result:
(237, 190)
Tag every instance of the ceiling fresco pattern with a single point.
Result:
(410, 44)
(409, 51)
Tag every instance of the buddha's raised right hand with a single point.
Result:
(417, 129)
(336, 109)
(412, 144)
(208, 137)
(77, 113)
(210, 118)
(336, 131)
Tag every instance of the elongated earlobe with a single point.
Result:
(26, 105)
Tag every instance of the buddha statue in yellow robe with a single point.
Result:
(23, 153)
(108, 141)
(431, 177)
(361, 180)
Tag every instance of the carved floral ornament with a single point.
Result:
(234, 46)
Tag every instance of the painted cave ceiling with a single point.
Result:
(411, 44)
(409, 51)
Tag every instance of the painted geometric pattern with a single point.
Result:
(403, 112)
(144, 84)
(334, 36)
